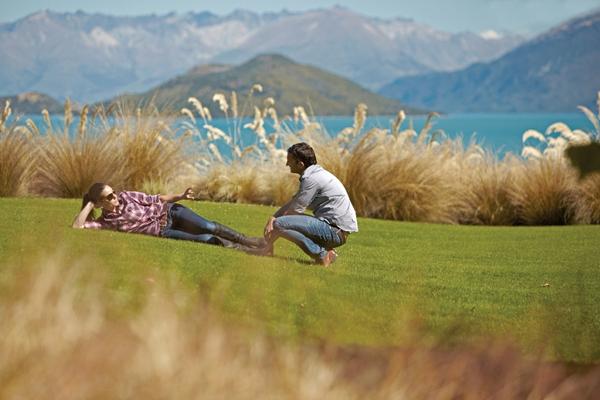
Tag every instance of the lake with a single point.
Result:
(500, 133)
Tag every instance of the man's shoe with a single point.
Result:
(329, 258)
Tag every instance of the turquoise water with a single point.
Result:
(500, 133)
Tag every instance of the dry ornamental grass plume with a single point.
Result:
(5, 114)
(47, 120)
(400, 117)
(234, 104)
(533, 134)
(220, 98)
(189, 114)
(257, 87)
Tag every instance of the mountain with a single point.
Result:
(91, 57)
(32, 103)
(554, 72)
(370, 51)
(290, 84)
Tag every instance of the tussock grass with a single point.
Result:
(486, 195)
(394, 177)
(17, 155)
(246, 181)
(545, 193)
(391, 173)
(588, 207)
(151, 151)
(60, 338)
(126, 147)
(67, 166)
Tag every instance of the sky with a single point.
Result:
(526, 17)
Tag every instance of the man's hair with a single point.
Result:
(303, 152)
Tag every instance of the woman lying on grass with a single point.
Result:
(156, 215)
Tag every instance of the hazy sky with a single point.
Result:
(522, 16)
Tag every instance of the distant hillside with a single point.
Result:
(554, 72)
(32, 103)
(290, 84)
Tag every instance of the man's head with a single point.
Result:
(300, 156)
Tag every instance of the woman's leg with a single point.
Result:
(188, 221)
(202, 237)
(209, 239)
(185, 220)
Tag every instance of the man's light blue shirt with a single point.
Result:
(324, 194)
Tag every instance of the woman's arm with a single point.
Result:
(171, 198)
(82, 216)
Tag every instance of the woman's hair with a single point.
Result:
(93, 194)
(303, 152)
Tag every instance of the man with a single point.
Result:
(320, 191)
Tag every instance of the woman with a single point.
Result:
(157, 215)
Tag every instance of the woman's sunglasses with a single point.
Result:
(110, 196)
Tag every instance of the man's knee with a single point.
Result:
(278, 224)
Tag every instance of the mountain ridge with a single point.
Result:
(91, 57)
(554, 72)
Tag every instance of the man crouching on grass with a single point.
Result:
(320, 191)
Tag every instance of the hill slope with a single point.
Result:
(290, 84)
(32, 103)
(554, 72)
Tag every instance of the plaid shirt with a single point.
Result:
(137, 212)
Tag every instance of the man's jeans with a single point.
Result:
(313, 236)
(183, 223)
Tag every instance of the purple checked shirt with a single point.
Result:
(137, 212)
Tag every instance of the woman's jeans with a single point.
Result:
(183, 223)
(313, 236)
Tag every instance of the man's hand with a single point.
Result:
(269, 226)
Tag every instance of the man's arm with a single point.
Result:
(83, 215)
(298, 203)
(301, 200)
(172, 198)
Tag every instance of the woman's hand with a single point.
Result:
(188, 194)
(171, 198)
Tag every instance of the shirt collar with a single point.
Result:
(308, 171)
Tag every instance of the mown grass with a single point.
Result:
(538, 287)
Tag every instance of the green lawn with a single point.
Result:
(393, 282)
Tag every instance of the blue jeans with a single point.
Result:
(184, 224)
(313, 236)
